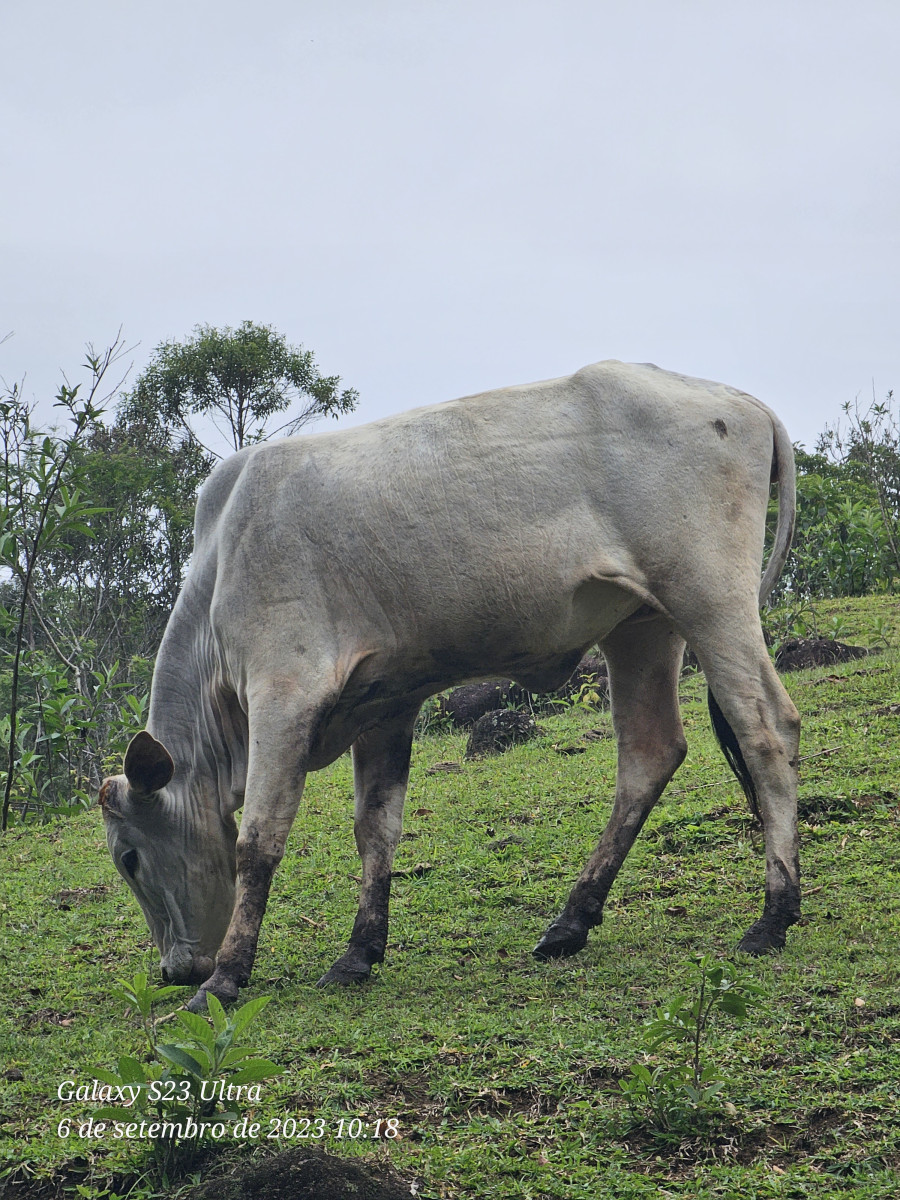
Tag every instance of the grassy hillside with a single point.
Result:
(502, 1072)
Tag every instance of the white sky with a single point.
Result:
(442, 196)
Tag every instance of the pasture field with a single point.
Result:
(502, 1072)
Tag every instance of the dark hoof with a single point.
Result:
(562, 939)
(761, 939)
(222, 987)
(353, 967)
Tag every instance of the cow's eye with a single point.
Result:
(130, 861)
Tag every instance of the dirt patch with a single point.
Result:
(723, 1141)
(592, 672)
(465, 705)
(504, 1102)
(49, 1016)
(300, 1173)
(839, 808)
(799, 653)
(497, 731)
(65, 899)
(306, 1173)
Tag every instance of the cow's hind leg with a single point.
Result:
(758, 719)
(644, 661)
(380, 774)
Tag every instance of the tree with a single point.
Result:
(238, 379)
(869, 450)
(120, 578)
(843, 543)
(41, 506)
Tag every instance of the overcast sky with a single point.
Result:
(442, 196)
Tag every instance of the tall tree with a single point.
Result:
(121, 577)
(238, 380)
(41, 507)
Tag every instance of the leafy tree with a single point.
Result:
(121, 576)
(869, 450)
(145, 469)
(848, 511)
(41, 506)
(238, 379)
(840, 546)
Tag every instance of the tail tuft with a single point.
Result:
(732, 751)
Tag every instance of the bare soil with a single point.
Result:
(306, 1173)
(799, 653)
(300, 1173)
(465, 705)
(497, 731)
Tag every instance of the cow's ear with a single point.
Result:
(148, 764)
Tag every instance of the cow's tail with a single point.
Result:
(728, 743)
(783, 473)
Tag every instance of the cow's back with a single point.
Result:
(473, 524)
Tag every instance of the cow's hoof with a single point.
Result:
(762, 938)
(222, 987)
(563, 938)
(353, 967)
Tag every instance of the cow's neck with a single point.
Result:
(183, 718)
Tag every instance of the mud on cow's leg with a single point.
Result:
(644, 665)
(234, 962)
(275, 784)
(767, 730)
(381, 773)
(756, 715)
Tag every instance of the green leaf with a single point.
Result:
(234, 1056)
(753, 989)
(217, 1012)
(257, 1068)
(181, 1058)
(733, 1004)
(114, 1112)
(202, 1053)
(197, 1027)
(168, 992)
(108, 1077)
(247, 1012)
(131, 1070)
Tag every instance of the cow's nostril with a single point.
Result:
(165, 975)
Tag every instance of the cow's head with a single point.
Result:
(176, 855)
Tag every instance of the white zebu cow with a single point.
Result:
(339, 580)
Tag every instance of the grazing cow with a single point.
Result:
(339, 580)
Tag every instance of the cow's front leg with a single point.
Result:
(380, 775)
(644, 665)
(234, 962)
(275, 779)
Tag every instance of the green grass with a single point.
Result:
(503, 1072)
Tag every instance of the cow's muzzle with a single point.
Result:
(182, 966)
